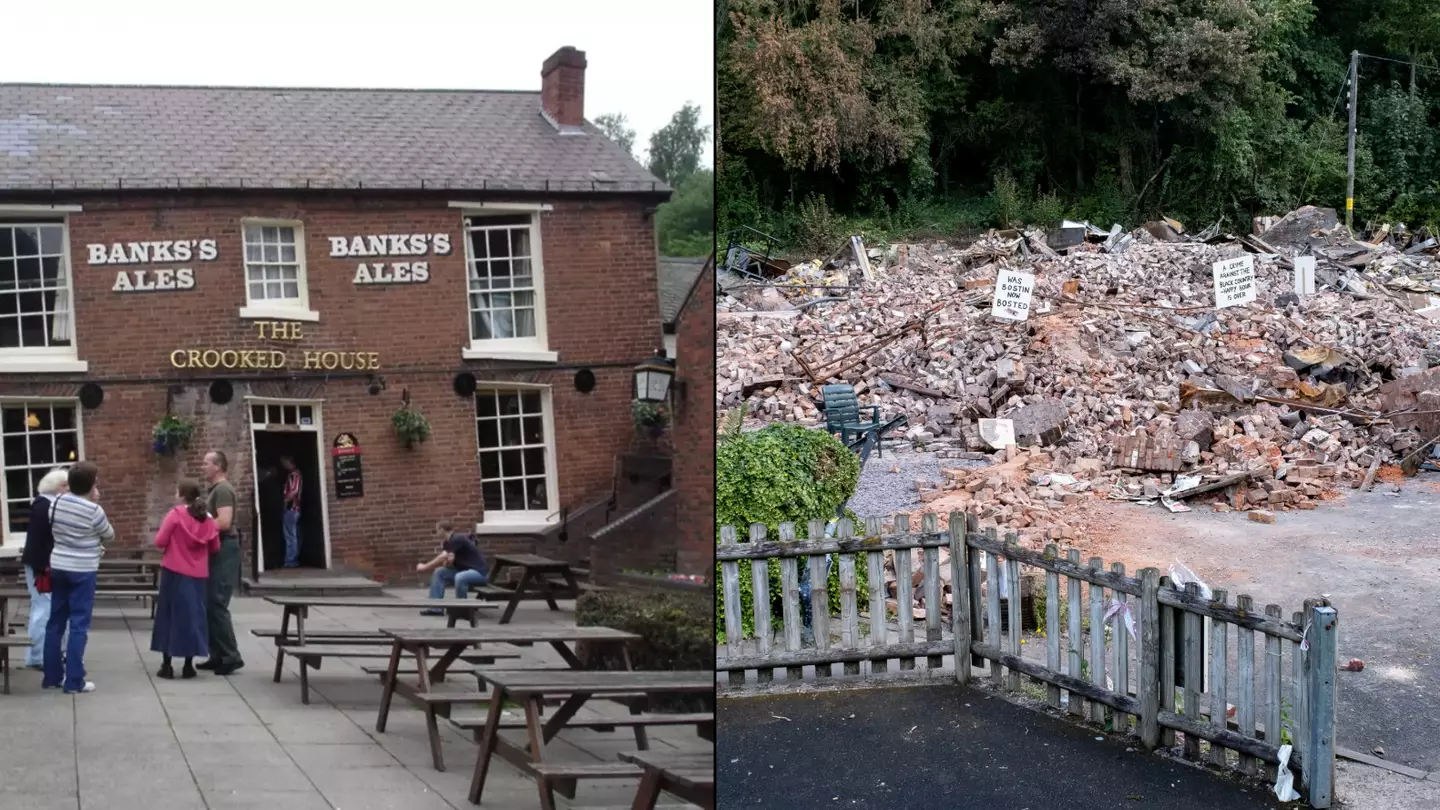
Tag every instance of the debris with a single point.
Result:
(1261, 516)
(998, 433)
(1354, 665)
(1123, 372)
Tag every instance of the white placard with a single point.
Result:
(1012, 295)
(998, 433)
(1304, 275)
(1234, 281)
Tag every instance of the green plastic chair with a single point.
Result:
(842, 414)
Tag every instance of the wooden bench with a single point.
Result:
(6, 642)
(312, 657)
(691, 776)
(152, 595)
(472, 719)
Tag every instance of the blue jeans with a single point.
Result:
(292, 538)
(71, 604)
(39, 615)
(463, 581)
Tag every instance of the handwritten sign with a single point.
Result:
(1012, 295)
(349, 479)
(1234, 281)
(1304, 275)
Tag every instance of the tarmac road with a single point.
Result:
(942, 746)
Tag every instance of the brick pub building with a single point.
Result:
(285, 269)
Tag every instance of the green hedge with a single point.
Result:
(676, 630)
(780, 474)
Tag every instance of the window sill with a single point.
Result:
(534, 355)
(10, 552)
(42, 365)
(517, 527)
(273, 313)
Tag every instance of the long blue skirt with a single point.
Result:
(180, 630)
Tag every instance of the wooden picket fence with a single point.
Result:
(1173, 677)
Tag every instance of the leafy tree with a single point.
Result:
(1123, 109)
(676, 148)
(617, 128)
(686, 224)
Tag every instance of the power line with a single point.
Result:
(1345, 80)
(1400, 62)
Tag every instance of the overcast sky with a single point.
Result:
(646, 58)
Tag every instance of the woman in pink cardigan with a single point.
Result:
(188, 536)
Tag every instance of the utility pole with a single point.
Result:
(1350, 157)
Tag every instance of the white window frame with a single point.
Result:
(12, 544)
(269, 309)
(46, 359)
(533, 349)
(511, 521)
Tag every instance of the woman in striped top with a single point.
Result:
(81, 530)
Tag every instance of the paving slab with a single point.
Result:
(243, 742)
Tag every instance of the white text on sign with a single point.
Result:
(1234, 281)
(1012, 295)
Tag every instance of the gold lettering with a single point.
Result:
(277, 360)
(295, 333)
(260, 325)
(229, 358)
(329, 360)
(374, 361)
(247, 358)
(192, 358)
(210, 358)
(312, 360)
(177, 358)
(347, 360)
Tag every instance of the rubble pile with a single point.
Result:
(1125, 380)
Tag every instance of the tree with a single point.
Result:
(685, 225)
(675, 148)
(617, 128)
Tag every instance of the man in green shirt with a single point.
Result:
(224, 568)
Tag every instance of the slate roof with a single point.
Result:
(676, 276)
(107, 137)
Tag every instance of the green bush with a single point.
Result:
(780, 474)
(676, 629)
(814, 229)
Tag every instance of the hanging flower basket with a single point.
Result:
(411, 426)
(650, 417)
(171, 435)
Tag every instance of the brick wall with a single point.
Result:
(601, 307)
(695, 429)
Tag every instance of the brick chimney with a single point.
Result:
(562, 88)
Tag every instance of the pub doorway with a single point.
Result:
(280, 429)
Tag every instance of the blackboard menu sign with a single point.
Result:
(345, 453)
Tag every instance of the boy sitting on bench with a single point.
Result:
(459, 561)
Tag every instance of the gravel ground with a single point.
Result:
(882, 493)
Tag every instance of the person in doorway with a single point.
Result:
(459, 562)
(36, 558)
(188, 536)
(291, 516)
(224, 568)
(81, 530)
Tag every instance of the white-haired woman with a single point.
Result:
(39, 541)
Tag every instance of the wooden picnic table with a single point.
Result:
(531, 687)
(451, 643)
(536, 582)
(7, 639)
(298, 607)
(691, 776)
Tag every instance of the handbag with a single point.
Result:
(42, 579)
